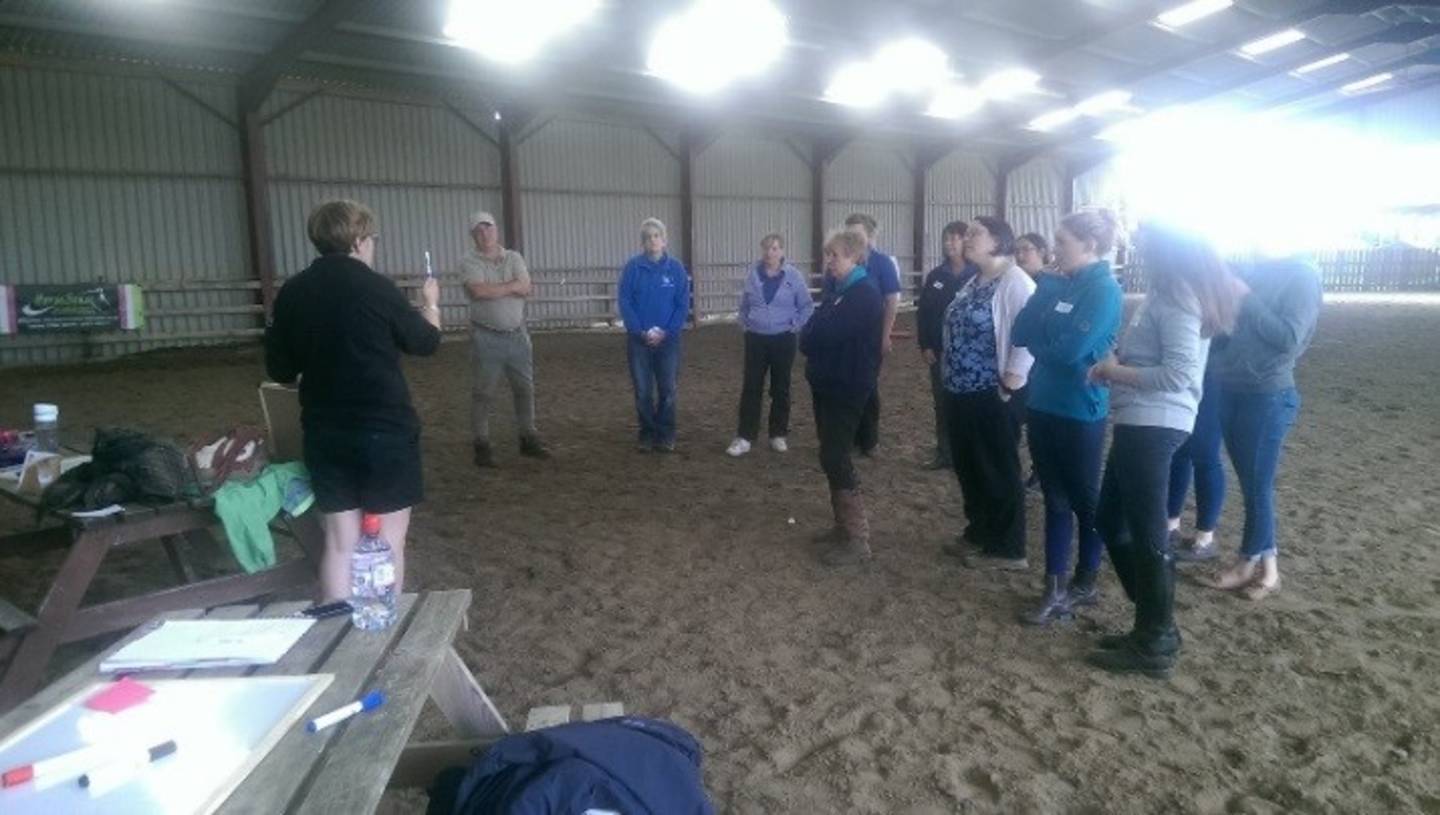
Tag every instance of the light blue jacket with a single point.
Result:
(787, 313)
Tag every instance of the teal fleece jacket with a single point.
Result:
(1069, 324)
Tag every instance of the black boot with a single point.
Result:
(534, 448)
(1054, 606)
(1082, 590)
(483, 455)
(1152, 647)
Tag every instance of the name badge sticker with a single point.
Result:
(937, 285)
(1064, 307)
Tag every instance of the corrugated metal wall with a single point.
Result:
(585, 186)
(1034, 196)
(421, 168)
(745, 188)
(876, 178)
(121, 179)
(959, 187)
(1413, 117)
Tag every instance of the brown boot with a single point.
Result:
(836, 531)
(854, 546)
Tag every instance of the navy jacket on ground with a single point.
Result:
(1069, 324)
(654, 293)
(842, 342)
(627, 764)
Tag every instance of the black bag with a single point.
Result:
(126, 466)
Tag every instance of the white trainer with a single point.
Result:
(738, 448)
(778, 444)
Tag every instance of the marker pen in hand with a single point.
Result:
(371, 700)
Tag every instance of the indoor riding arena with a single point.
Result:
(566, 596)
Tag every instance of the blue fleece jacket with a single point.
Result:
(654, 293)
(1069, 324)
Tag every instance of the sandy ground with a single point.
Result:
(677, 586)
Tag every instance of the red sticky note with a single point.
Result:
(122, 694)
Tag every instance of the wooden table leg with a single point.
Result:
(27, 667)
(176, 556)
(469, 710)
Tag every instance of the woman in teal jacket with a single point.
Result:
(1069, 325)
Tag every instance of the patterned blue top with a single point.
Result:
(972, 362)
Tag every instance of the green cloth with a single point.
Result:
(247, 508)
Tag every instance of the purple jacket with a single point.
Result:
(789, 310)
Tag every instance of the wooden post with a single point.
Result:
(687, 218)
(925, 158)
(1002, 187)
(256, 177)
(510, 185)
(825, 152)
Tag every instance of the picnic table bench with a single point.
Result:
(29, 641)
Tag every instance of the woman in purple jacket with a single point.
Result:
(774, 305)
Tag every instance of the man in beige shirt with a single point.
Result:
(497, 283)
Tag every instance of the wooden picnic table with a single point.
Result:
(345, 768)
(29, 641)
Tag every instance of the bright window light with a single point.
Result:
(1367, 83)
(912, 65)
(1054, 119)
(1103, 103)
(954, 101)
(857, 85)
(1322, 63)
(1265, 45)
(1190, 12)
(511, 32)
(698, 49)
(1009, 82)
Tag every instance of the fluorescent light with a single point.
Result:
(1054, 119)
(512, 32)
(1103, 102)
(1264, 45)
(696, 49)
(1009, 82)
(1190, 12)
(954, 101)
(912, 65)
(1322, 63)
(857, 85)
(1366, 83)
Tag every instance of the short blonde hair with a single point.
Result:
(847, 243)
(773, 237)
(335, 227)
(655, 224)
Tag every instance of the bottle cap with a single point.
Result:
(370, 525)
(45, 412)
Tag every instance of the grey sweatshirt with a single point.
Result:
(1274, 327)
(1164, 343)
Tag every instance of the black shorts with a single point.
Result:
(365, 470)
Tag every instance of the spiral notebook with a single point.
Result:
(186, 644)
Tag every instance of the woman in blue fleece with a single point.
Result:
(842, 346)
(1068, 325)
(774, 303)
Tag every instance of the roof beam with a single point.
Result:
(1354, 103)
(262, 75)
(1427, 57)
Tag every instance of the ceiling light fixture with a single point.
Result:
(1103, 103)
(954, 101)
(1009, 82)
(1322, 63)
(912, 65)
(696, 49)
(1265, 45)
(1054, 119)
(1190, 12)
(1367, 83)
(857, 85)
(511, 32)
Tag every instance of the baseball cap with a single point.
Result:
(481, 217)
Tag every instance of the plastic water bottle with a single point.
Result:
(372, 579)
(47, 428)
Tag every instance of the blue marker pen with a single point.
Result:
(370, 701)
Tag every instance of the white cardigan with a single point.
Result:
(1012, 292)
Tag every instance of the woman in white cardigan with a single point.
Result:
(984, 377)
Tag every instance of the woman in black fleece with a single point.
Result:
(842, 346)
(339, 328)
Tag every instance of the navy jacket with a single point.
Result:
(628, 764)
(934, 297)
(842, 341)
(654, 293)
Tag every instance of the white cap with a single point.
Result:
(481, 217)
(45, 412)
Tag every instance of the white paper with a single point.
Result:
(210, 644)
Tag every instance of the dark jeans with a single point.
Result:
(1131, 516)
(837, 415)
(985, 452)
(867, 435)
(1067, 456)
(653, 373)
(942, 427)
(775, 355)
(1255, 425)
(1200, 454)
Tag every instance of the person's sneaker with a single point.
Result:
(779, 445)
(664, 446)
(484, 456)
(984, 560)
(644, 446)
(534, 448)
(737, 448)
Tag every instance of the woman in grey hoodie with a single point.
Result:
(1155, 389)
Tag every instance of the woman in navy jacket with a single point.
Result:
(842, 345)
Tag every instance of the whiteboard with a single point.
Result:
(222, 728)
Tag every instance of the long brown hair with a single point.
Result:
(1182, 265)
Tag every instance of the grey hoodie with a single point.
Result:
(1164, 342)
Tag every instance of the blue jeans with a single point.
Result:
(1067, 456)
(653, 372)
(1255, 425)
(1200, 454)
